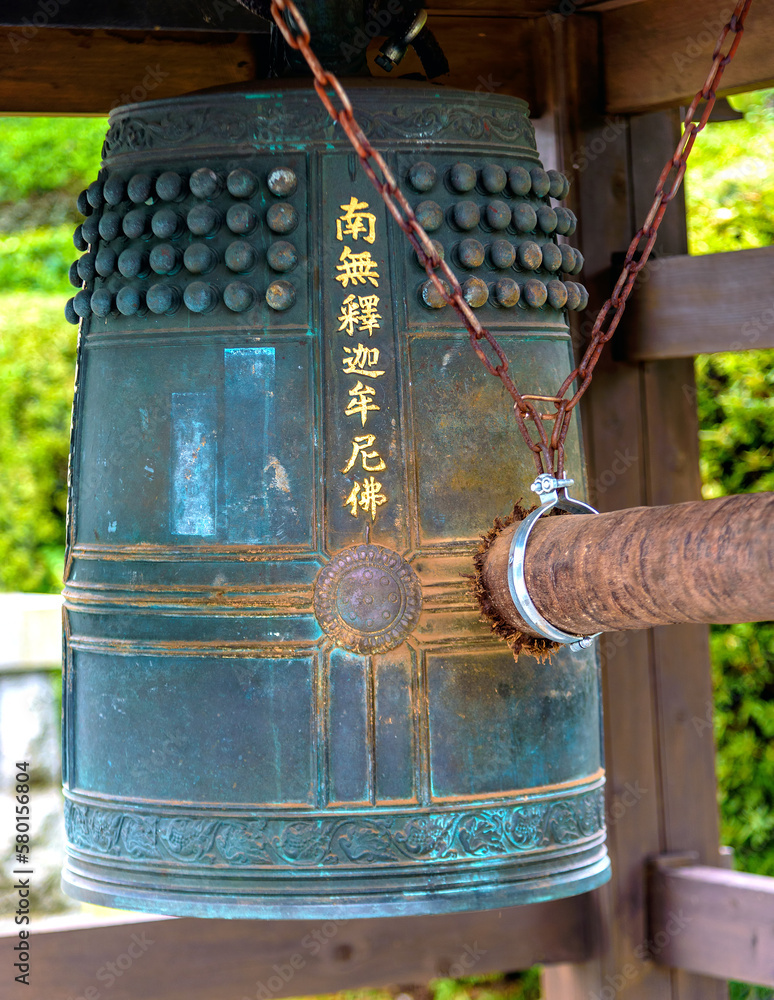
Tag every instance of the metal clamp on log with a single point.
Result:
(552, 492)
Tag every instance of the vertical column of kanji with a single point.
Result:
(363, 476)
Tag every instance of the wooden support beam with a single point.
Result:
(202, 959)
(481, 56)
(712, 921)
(640, 431)
(138, 15)
(87, 72)
(520, 8)
(72, 72)
(657, 54)
(684, 306)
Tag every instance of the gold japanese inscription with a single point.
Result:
(366, 495)
(356, 222)
(361, 403)
(363, 449)
(359, 312)
(361, 360)
(357, 268)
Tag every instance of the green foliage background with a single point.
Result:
(730, 189)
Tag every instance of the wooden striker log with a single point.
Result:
(708, 561)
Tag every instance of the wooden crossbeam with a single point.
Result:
(684, 306)
(712, 921)
(73, 72)
(85, 72)
(657, 54)
(169, 959)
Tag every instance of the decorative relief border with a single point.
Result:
(493, 832)
(300, 123)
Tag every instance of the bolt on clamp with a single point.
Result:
(552, 492)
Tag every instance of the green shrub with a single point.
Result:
(37, 360)
(40, 155)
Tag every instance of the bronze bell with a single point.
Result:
(280, 700)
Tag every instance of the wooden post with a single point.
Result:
(661, 782)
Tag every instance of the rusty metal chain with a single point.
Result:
(547, 450)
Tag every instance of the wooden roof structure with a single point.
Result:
(606, 79)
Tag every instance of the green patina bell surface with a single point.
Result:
(280, 700)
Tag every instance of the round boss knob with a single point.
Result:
(530, 256)
(466, 215)
(534, 293)
(577, 296)
(169, 186)
(136, 224)
(430, 295)
(282, 218)
(569, 259)
(82, 204)
(237, 296)
(129, 301)
(557, 294)
(524, 218)
(110, 226)
(106, 262)
(559, 185)
(74, 277)
(79, 240)
(476, 292)
(69, 311)
(101, 303)
(541, 183)
(282, 256)
(94, 195)
(203, 220)
(241, 219)
(165, 259)
(282, 182)
(163, 300)
(90, 229)
(429, 215)
(507, 292)
(498, 215)
(199, 258)
(552, 257)
(86, 268)
(280, 295)
(167, 223)
(502, 253)
(493, 178)
(114, 190)
(240, 257)
(519, 181)
(546, 219)
(471, 253)
(204, 183)
(579, 262)
(133, 263)
(438, 247)
(241, 183)
(422, 176)
(200, 297)
(564, 221)
(139, 188)
(462, 177)
(82, 304)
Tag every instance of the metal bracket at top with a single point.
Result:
(552, 492)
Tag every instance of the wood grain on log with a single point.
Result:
(706, 561)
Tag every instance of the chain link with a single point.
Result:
(548, 450)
